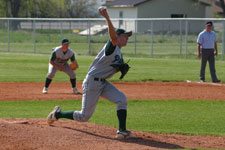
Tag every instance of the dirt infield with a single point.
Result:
(142, 90)
(29, 134)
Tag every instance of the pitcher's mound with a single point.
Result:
(31, 134)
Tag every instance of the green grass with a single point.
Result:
(34, 67)
(169, 116)
(166, 45)
(165, 50)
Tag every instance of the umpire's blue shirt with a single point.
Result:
(207, 39)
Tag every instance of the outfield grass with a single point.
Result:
(34, 67)
(165, 50)
(165, 45)
(171, 116)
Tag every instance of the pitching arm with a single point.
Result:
(111, 29)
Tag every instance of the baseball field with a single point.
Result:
(164, 110)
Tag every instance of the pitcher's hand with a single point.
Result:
(103, 11)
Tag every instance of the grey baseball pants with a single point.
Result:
(208, 55)
(92, 90)
(52, 70)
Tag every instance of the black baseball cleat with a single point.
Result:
(216, 81)
(124, 135)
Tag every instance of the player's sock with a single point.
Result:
(65, 114)
(122, 117)
(47, 82)
(73, 82)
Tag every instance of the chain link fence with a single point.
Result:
(151, 37)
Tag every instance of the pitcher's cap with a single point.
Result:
(122, 31)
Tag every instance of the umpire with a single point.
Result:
(207, 49)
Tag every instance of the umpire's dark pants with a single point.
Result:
(208, 55)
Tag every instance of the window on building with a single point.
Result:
(178, 15)
(121, 16)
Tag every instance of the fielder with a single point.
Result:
(58, 61)
(108, 62)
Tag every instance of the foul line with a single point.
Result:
(206, 83)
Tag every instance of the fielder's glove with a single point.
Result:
(122, 67)
(73, 66)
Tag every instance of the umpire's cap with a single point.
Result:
(65, 41)
(122, 31)
(209, 23)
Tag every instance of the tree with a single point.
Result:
(222, 6)
(2, 8)
(48, 8)
(11, 7)
(15, 7)
(81, 8)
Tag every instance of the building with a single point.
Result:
(157, 9)
(160, 8)
(218, 10)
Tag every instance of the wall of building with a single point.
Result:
(162, 9)
(165, 9)
(209, 12)
(130, 12)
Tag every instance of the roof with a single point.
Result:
(206, 2)
(125, 3)
(133, 3)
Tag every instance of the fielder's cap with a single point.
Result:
(65, 41)
(122, 31)
(209, 23)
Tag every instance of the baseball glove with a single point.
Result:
(122, 67)
(73, 66)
